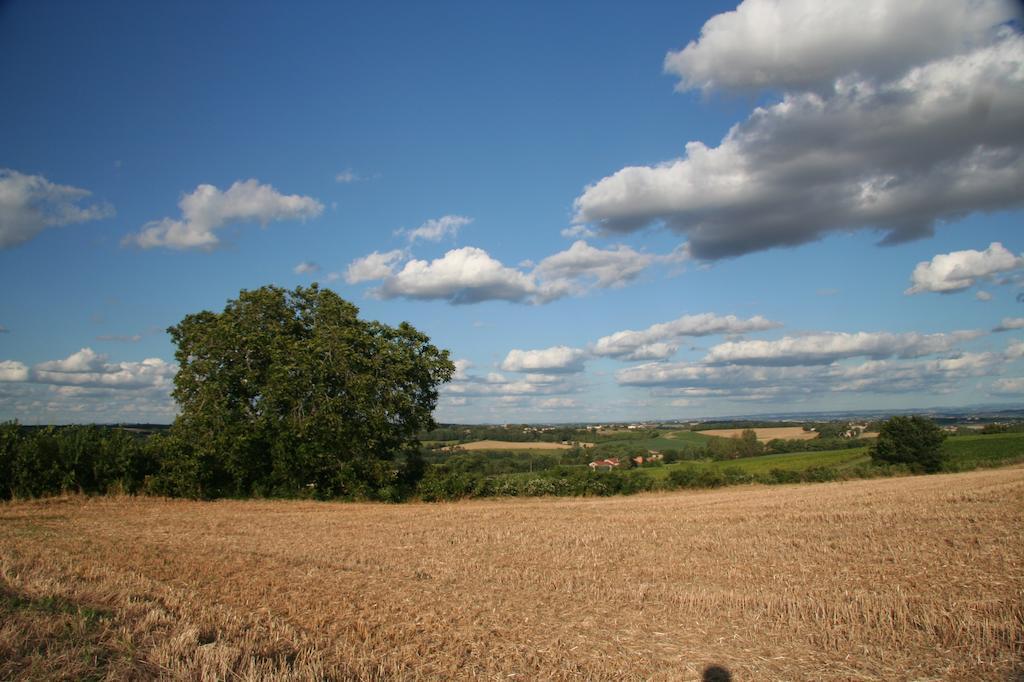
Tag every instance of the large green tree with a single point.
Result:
(289, 392)
(915, 441)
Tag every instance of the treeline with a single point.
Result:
(443, 484)
(740, 446)
(96, 460)
(523, 433)
(35, 462)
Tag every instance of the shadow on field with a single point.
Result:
(716, 673)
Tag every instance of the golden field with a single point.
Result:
(914, 578)
(766, 434)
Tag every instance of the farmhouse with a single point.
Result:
(609, 463)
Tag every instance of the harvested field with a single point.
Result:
(766, 434)
(912, 578)
(513, 445)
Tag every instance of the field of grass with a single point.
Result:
(666, 440)
(981, 450)
(908, 578)
(795, 461)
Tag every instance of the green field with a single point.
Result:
(794, 461)
(666, 440)
(969, 452)
(962, 453)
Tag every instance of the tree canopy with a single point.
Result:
(289, 392)
(914, 440)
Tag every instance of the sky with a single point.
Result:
(606, 212)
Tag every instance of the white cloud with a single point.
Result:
(940, 140)
(1014, 350)
(461, 367)
(1010, 323)
(578, 232)
(87, 387)
(807, 44)
(1008, 386)
(959, 270)
(208, 209)
(827, 347)
(436, 229)
(373, 266)
(306, 268)
(546, 360)
(471, 275)
(87, 368)
(556, 403)
(496, 386)
(983, 296)
(649, 343)
(12, 370)
(347, 176)
(30, 203)
(466, 275)
(84, 360)
(747, 382)
(605, 268)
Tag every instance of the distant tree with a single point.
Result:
(749, 445)
(289, 392)
(915, 441)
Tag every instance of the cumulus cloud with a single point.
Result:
(824, 348)
(306, 268)
(1009, 323)
(807, 44)
(86, 386)
(466, 275)
(546, 360)
(652, 343)
(578, 232)
(436, 229)
(1014, 350)
(373, 266)
(747, 382)
(208, 209)
(556, 403)
(347, 176)
(604, 267)
(934, 140)
(959, 270)
(462, 366)
(493, 385)
(86, 368)
(471, 275)
(30, 204)
(1008, 386)
(12, 370)
(983, 296)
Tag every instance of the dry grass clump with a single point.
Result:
(911, 578)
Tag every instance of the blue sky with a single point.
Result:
(527, 184)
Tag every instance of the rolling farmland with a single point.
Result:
(766, 434)
(909, 578)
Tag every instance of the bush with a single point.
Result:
(913, 441)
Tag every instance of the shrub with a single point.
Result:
(914, 441)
